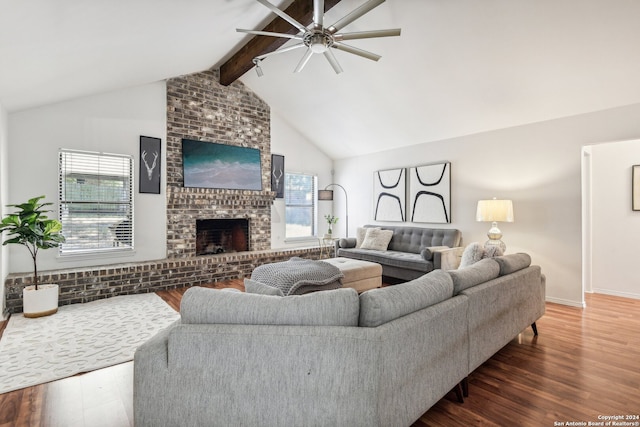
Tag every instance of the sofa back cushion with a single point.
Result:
(339, 307)
(513, 262)
(379, 306)
(479, 272)
(414, 239)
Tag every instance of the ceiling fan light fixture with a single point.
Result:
(320, 39)
(318, 42)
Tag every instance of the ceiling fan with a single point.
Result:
(320, 39)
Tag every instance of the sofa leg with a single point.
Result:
(459, 392)
(465, 386)
(535, 328)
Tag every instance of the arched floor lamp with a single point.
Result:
(328, 195)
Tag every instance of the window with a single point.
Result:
(300, 205)
(96, 202)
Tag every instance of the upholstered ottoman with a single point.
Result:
(359, 275)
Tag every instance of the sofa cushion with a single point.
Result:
(391, 258)
(513, 262)
(413, 239)
(427, 253)
(339, 307)
(379, 306)
(480, 272)
(377, 239)
(254, 287)
(473, 253)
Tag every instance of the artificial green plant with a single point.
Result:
(30, 227)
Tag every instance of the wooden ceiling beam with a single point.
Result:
(242, 61)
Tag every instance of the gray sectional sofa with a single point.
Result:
(332, 358)
(412, 251)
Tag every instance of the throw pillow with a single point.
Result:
(377, 239)
(492, 251)
(472, 254)
(361, 232)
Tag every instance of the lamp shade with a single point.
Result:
(325, 194)
(495, 210)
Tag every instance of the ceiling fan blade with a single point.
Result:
(283, 15)
(357, 13)
(268, 33)
(318, 13)
(303, 61)
(333, 61)
(356, 51)
(367, 34)
(283, 50)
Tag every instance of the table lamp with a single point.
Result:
(495, 211)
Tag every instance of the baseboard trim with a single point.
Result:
(566, 302)
(616, 293)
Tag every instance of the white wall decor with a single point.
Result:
(430, 193)
(389, 188)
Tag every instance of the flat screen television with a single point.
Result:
(213, 165)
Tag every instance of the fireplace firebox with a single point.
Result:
(217, 236)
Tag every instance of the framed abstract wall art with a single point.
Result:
(389, 191)
(214, 165)
(430, 193)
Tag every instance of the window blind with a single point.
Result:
(96, 201)
(300, 205)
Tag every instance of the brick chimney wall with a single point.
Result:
(199, 108)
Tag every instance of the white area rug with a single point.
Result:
(79, 338)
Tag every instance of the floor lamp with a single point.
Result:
(328, 195)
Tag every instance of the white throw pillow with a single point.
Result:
(472, 254)
(492, 251)
(361, 232)
(377, 239)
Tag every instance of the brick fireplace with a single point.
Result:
(199, 108)
(222, 236)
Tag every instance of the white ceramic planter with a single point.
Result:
(42, 302)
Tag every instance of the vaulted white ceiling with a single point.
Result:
(460, 66)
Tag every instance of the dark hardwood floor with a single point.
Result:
(584, 364)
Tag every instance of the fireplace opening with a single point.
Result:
(217, 236)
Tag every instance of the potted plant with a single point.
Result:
(30, 227)
(331, 220)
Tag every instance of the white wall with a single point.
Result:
(111, 122)
(300, 156)
(4, 263)
(615, 227)
(538, 166)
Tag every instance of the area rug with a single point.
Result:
(78, 338)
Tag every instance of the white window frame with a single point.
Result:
(314, 208)
(110, 234)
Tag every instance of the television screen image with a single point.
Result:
(213, 165)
